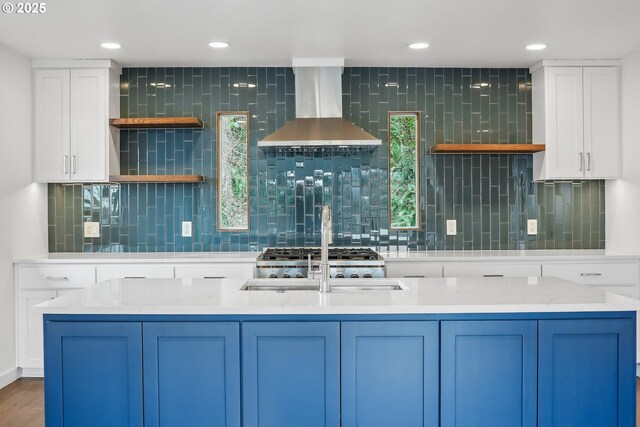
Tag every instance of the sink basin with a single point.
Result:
(358, 285)
(337, 285)
(280, 285)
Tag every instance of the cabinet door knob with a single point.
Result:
(65, 161)
(590, 274)
(588, 161)
(493, 275)
(74, 162)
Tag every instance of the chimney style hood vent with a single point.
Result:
(319, 121)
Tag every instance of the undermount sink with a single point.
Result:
(337, 285)
(355, 285)
(281, 285)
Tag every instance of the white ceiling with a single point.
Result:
(472, 33)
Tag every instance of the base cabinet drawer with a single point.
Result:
(240, 271)
(413, 269)
(133, 271)
(598, 274)
(491, 270)
(55, 276)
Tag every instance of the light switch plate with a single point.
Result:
(532, 227)
(91, 229)
(452, 228)
(186, 228)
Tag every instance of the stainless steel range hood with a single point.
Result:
(319, 121)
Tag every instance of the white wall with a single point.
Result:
(23, 210)
(623, 195)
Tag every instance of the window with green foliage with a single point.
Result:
(233, 170)
(404, 170)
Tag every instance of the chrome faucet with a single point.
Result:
(326, 239)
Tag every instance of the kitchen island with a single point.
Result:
(442, 352)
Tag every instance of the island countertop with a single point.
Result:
(440, 295)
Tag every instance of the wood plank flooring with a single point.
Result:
(22, 403)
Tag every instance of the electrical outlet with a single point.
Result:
(91, 229)
(452, 228)
(186, 228)
(532, 227)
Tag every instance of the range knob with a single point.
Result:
(299, 276)
(286, 276)
(273, 276)
(367, 276)
(354, 276)
(339, 276)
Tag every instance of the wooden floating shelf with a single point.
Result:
(157, 123)
(156, 179)
(486, 148)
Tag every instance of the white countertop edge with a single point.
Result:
(403, 256)
(371, 310)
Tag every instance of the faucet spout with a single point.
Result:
(326, 239)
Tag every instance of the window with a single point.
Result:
(233, 170)
(404, 170)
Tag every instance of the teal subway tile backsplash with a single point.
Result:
(490, 196)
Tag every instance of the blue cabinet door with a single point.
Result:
(93, 374)
(191, 374)
(488, 373)
(291, 374)
(587, 373)
(390, 374)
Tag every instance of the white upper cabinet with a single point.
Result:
(576, 114)
(73, 103)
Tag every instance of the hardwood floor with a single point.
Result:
(22, 403)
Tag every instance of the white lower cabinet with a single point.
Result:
(133, 271)
(491, 269)
(240, 271)
(36, 283)
(413, 269)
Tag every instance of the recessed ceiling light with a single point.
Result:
(419, 45)
(219, 45)
(536, 46)
(111, 45)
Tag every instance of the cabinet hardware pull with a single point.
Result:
(66, 169)
(74, 161)
(493, 275)
(417, 275)
(58, 278)
(590, 274)
(588, 161)
(215, 277)
(134, 277)
(581, 161)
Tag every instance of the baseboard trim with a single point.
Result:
(8, 377)
(32, 372)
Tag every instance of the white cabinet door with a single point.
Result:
(51, 149)
(601, 122)
(30, 343)
(413, 269)
(89, 123)
(240, 271)
(564, 139)
(133, 271)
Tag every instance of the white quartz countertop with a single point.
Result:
(447, 295)
(239, 257)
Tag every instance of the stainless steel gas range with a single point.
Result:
(343, 262)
